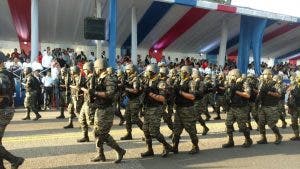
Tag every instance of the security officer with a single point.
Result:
(76, 102)
(184, 117)
(31, 86)
(104, 99)
(132, 87)
(268, 98)
(294, 107)
(237, 95)
(7, 89)
(84, 115)
(154, 98)
(64, 93)
(198, 89)
(281, 109)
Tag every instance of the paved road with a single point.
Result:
(45, 144)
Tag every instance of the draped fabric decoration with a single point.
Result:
(251, 36)
(21, 16)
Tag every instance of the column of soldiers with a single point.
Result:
(179, 98)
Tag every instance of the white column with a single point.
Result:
(99, 15)
(222, 51)
(133, 36)
(34, 29)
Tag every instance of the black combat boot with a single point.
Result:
(149, 151)
(230, 142)
(15, 161)
(284, 123)
(205, 130)
(167, 147)
(207, 117)
(121, 152)
(62, 114)
(175, 141)
(248, 140)
(218, 115)
(100, 157)
(122, 121)
(277, 135)
(263, 138)
(85, 138)
(70, 124)
(27, 117)
(128, 136)
(195, 149)
(296, 137)
(37, 116)
(250, 126)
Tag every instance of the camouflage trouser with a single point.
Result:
(211, 99)
(84, 117)
(220, 102)
(254, 112)
(152, 117)
(167, 117)
(281, 110)
(62, 99)
(295, 115)
(103, 123)
(204, 105)
(30, 101)
(185, 118)
(239, 115)
(268, 115)
(132, 114)
(74, 106)
(6, 116)
(198, 110)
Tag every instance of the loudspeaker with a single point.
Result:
(94, 28)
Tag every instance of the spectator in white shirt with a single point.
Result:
(26, 63)
(48, 84)
(47, 58)
(91, 57)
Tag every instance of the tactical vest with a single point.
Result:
(269, 100)
(182, 101)
(130, 85)
(101, 84)
(149, 101)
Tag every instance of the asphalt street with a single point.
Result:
(45, 144)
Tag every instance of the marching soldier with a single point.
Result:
(253, 108)
(31, 85)
(104, 95)
(184, 117)
(132, 87)
(199, 90)
(84, 115)
(7, 89)
(208, 97)
(220, 99)
(76, 102)
(237, 95)
(166, 116)
(154, 98)
(64, 93)
(294, 108)
(120, 96)
(268, 97)
(281, 109)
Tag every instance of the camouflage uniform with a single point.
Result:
(64, 92)
(294, 109)
(105, 85)
(76, 101)
(208, 97)
(184, 117)
(31, 86)
(253, 107)
(120, 96)
(7, 88)
(153, 113)
(238, 111)
(220, 99)
(281, 109)
(268, 110)
(133, 107)
(198, 88)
